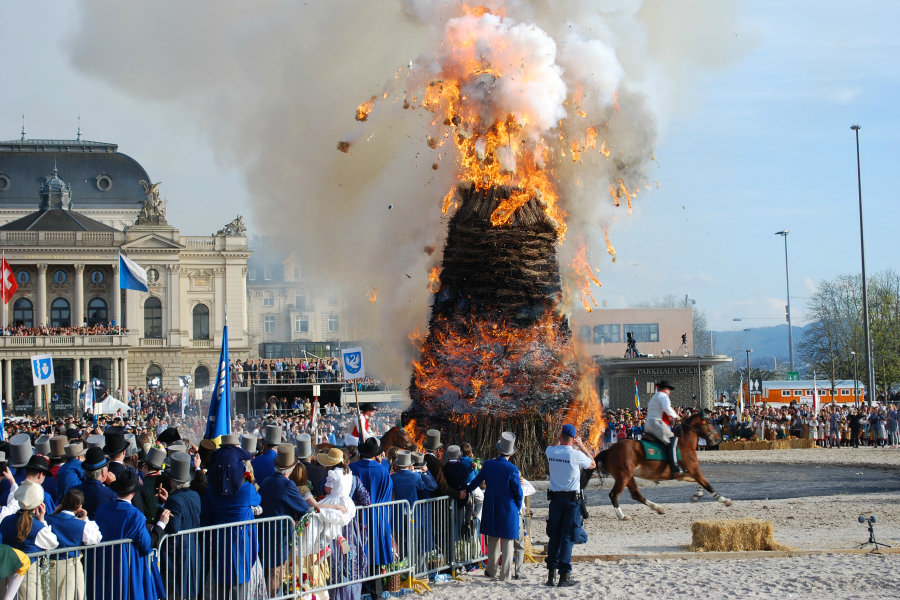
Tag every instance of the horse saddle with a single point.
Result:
(656, 450)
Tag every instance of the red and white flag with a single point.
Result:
(8, 285)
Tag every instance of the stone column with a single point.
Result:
(42, 296)
(174, 303)
(123, 375)
(38, 397)
(78, 317)
(115, 374)
(77, 375)
(117, 295)
(87, 369)
(246, 302)
(220, 299)
(7, 379)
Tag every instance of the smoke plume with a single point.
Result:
(275, 85)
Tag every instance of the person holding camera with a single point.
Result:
(566, 457)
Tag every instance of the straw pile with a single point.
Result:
(772, 445)
(733, 535)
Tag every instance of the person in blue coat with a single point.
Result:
(230, 498)
(37, 471)
(72, 529)
(179, 554)
(280, 497)
(125, 572)
(71, 473)
(502, 502)
(28, 532)
(377, 479)
(413, 484)
(264, 464)
(93, 488)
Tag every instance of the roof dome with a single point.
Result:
(54, 184)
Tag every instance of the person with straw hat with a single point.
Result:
(502, 502)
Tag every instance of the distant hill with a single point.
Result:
(769, 344)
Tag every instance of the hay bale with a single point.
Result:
(733, 535)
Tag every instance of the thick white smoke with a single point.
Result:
(273, 85)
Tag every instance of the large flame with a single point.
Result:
(586, 413)
(585, 277)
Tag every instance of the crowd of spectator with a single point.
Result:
(50, 331)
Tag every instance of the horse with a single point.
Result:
(625, 460)
(397, 436)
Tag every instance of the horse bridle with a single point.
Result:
(702, 431)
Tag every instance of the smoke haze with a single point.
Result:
(273, 86)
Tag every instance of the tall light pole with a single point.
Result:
(787, 277)
(870, 367)
(749, 397)
(855, 390)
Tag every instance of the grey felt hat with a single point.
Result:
(179, 467)
(58, 446)
(229, 439)
(42, 445)
(249, 443)
(96, 441)
(273, 435)
(418, 460)
(75, 449)
(432, 439)
(305, 448)
(132, 449)
(286, 457)
(155, 458)
(452, 453)
(507, 443)
(404, 459)
(20, 450)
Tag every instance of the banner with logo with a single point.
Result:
(352, 363)
(42, 369)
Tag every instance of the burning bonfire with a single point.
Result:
(498, 353)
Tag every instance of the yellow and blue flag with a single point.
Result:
(637, 396)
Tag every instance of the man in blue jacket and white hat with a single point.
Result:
(502, 501)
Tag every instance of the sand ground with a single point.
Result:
(820, 523)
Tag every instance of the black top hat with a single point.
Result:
(94, 460)
(115, 443)
(170, 435)
(72, 434)
(662, 385)
(38, 463)
(367, 406)
(126, 483)
(370, 448)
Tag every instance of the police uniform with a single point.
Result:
(565, 464)
(659, 416)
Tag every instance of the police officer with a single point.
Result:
(660, 415)
(566, 457)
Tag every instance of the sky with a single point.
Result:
(759, 145)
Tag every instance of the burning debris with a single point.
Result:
(343, 146)
(373, 295)
(363, 110)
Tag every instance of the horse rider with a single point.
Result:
(660, 416)
(361, 429)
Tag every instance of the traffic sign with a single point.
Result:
(793, 376)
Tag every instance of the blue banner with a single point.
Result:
(219, 421)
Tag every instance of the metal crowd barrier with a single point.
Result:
(249, 559)
(443, 537)
(106, 571)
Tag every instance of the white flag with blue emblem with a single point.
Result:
(352, 363)
(42, 369)
(131, 275)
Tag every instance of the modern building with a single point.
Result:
(604, 332)
(69, 208)
(296, 306)
(844, 391)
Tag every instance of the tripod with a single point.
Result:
(871, 521)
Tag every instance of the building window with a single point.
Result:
(845, 392)
(251, 274)
(301, 324)
(201, 377)
(332, 298)
(60, 315)
(270, 324)
(644, 333)
(584, 334)
(201, 322)
(333, 323)
(59, 277)
(97, 312)
(785, 392)
(153, 318)
(605, 334)
(267, 274)
(798, 392)
(296, 272)
(268, 298)
(152, 371)
(23, 313)
(300, 303)
(23, 277)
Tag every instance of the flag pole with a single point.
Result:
(47, 402)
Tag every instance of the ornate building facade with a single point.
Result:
(88, 204)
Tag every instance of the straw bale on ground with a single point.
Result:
(733, 535)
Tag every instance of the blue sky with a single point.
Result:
(761, 146)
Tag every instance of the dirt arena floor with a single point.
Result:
(813, 498)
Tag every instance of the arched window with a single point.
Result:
(152, 318)
(154, 371)
(23, 313)
(97, 313)
(60, 315)
(201, 322)
(201, 377)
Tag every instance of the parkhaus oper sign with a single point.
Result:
(670, 371)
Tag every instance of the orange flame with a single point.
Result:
(609, 246)
(590, 137)
(614, 194)
(416, 434)
(605, 151)
(434, 280)
(585, 277)
(576, 151)
(616, 105)
(586, 413)
(363, 110)
(373, 295)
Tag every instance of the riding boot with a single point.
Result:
(565, 580)
(673, 458)
(551, 577)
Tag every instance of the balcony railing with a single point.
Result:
(153, 342)
(19, 341)
(61, 238)
(201, 343)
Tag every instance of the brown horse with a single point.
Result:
(397, 436)
(626, 459)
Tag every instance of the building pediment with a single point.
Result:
(151, 241)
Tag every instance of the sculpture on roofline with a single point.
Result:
(152, 212)
(235, 228)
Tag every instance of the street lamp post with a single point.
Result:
(870, 367)
(855, 387)
(749, 397)
(787, 277)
